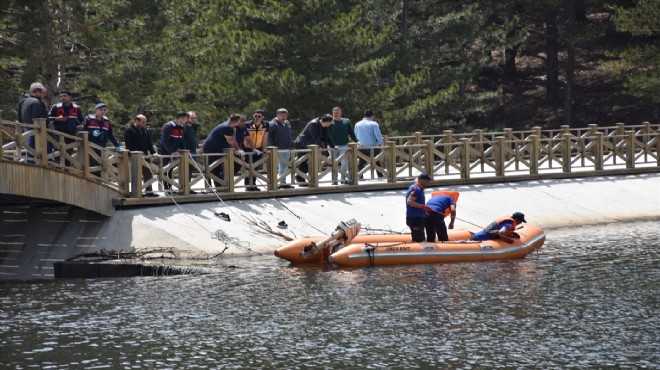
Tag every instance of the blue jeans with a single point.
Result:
(282, 164)
(344, 162)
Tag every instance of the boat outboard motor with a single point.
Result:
(343, 235)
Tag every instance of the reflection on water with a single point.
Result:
(588, 299)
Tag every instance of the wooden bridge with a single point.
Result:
(72, 170)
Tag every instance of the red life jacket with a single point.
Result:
(73, 112)
(95, 124)
(177, 132)
(500, 220)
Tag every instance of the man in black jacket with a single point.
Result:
(316, 132)
(137, 139)
(31, 106)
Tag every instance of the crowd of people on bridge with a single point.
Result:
(250, 138)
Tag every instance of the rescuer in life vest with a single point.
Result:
(504, 226)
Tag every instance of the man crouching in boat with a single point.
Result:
(416, 207)
(435, 221)
(502, 228)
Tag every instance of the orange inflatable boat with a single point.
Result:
(457, 249)
(345, 248)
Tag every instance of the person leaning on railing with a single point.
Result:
(171, 141)
(137, 139)
(316, 132)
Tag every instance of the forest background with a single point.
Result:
(424, 66)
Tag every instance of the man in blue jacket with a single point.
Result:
(416, 207)
(171, 141)
(435, 221)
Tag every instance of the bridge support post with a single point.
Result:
(598, 151)
(630, 149)
(500, 153)
(41, 142)
(271, 168)
(353, 161)
(390, 162)
(447, 139)
(534, 154)
(465, 158)
(136, 174)
(229, 166)
(184, 172)
(123, 178)
(566, 152)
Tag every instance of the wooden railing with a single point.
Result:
(449, 158)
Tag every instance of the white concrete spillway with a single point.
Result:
(547, 203)
(33, 238)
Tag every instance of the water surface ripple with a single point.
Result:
(588, 299)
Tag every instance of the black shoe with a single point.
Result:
(151, 195)
(335, 183)
(303, 185)
(193, 192)
(252, 188)
(345, 181)
(285, 186)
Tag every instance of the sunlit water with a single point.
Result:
(588, 299)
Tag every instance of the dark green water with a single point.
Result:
(588, 299)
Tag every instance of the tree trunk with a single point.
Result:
(47, 56)
(404, 22)
(570, 64)
(552, 60)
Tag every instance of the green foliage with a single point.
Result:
(425, 66)
(638, 61)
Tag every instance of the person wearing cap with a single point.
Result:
(280, 135)
(416, 207)
(100, 131)
(31, 106)
(435, 221)
(504, 226)
(316, 132)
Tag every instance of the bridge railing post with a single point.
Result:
(228, 170)
(313, 165)
(428, 156)
(83, 153)
(41, 142)
(500, 154)
(566, 151)
(598, 151)
(390, 161)
(137, 157)
(465, 158)
(534, 154)
(184, 172)
(123, 172)
(271, 168)
(353, 163)
(630, 149)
